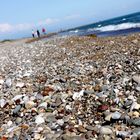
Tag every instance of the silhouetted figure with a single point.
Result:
(33, 33)
(38, 33)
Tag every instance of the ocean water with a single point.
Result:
(117, 26)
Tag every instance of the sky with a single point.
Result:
(21, 16)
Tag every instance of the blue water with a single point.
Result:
(117, 26)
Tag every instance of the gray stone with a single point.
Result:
(105, 131)
(136, 131)
(58, 102)
(89, 92)
(68, 137)
(60, 122)
(50, 118)
(17, 109)
(2, 103)
(90, 128)
(8, 82)
(136, 122)
(136, 78)
(138, 88)
(116, 115)
(123, 133)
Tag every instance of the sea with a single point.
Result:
(117, 26)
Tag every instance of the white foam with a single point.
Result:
(118, 27)
(124, 19)
(74, 31)
(99, 25)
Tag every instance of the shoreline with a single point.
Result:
(49, 35)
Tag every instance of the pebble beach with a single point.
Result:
(70, 88)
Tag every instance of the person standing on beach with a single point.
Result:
(33, 34)
(38, 33)
(43, 31)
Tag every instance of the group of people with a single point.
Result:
(37, 33)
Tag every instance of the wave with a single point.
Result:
(124, 19)
(117, 27)
(74, 31)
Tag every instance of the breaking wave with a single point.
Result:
(117, 27)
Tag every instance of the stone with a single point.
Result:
(60, 122)
(17, 109)
(116, 115)
(47, 90)
(29, 104)
(18, 120)
(106, 137)
(98, 88)
(138, 67)
(68, 107)
(136, 78)
(1, 81)
(103, 107)
(24, 126)
(135, 106)
(88, 135)
(78, 95)
(37, 136)
(136, 114)
(68, 137)
(81, 129)
(20, 84)
(39, 129)
(135, 41)
(108, 117)
(27, 74)
(123, 134)
(136, 131)
(17, 97)
(138, 100)
(43, 105)
(90, 128)
(2, 103)
(105, 131)
(39, 119)
(50, 118)
(58, 102)
(136, 122)
(86, 92)
(138, 88)
(8, 82)
(9, 123)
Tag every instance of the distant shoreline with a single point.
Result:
(47, 36)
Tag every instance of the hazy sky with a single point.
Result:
(23, 15)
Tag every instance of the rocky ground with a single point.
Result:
(70, 88)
